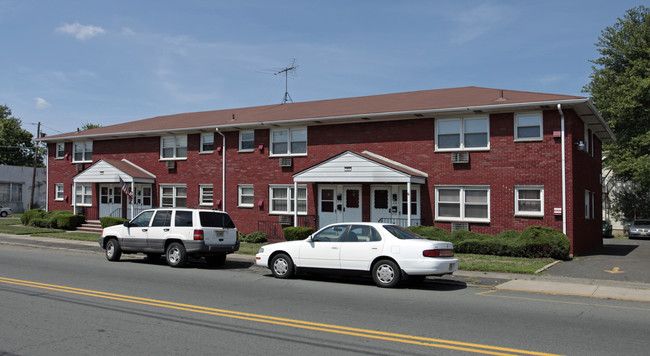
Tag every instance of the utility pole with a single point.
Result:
(38, 135)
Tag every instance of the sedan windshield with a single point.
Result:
(402, 233)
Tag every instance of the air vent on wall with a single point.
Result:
(459, 226)
(460, 157)
(170, 164)
(285, 162)
(80, 167)
(285, 219)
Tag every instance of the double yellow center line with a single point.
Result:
(334, 329)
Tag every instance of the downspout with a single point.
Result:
(559, 109)
(223, 171)
(295, 203)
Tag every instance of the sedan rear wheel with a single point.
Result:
(282, 266)
(176, 255)
(386, 274)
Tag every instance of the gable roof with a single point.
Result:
(111, 170)
(407, 105)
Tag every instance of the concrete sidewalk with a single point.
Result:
(558, 285)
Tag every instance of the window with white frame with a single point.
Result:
(463, 203)
(58, 191)
(528, 126)
(589, 204)
(455, 134)
(173, 147)
(84, 194)
(283, 197)
(246, 140)
(529, 200)
(60, 150)
(82, 152)
(206, 194)
(207, 142)
(245, 196)
(173, 196)
(587, 142)
(11, 192)
(290, 141)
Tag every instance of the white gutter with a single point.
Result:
(559, 109)
(223, 171)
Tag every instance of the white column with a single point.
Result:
(408, 205)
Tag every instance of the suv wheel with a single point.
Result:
(113, 250)
(176, 255)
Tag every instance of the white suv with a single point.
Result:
(175, 232)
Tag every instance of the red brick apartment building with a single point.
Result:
(482, 159)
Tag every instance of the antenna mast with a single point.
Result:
(286, 70)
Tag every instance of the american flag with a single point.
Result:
(126, 189)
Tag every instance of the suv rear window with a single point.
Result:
(215, 219)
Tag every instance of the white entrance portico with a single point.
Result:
(341, 180)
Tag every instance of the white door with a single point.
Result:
(382, 202)
(351, 203)
(327, 209)
(322, 251)
(340, 203)
(142, 199)
(110, 200)
(360, 247)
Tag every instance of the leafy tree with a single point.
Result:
(16, 145)
(88, 126)
(620, 89)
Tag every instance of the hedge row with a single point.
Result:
(254, 237)
(293, 233)
(107, 221)
(533, 242)
(57, 219)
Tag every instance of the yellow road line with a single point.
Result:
(371, 334)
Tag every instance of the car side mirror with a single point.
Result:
(127, 224)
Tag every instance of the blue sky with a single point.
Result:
(66, 63)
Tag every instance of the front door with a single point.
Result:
(339, 203)
(142, 199)
(110, 200)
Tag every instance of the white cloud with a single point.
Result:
(81, 32)
(127, 31)
(41, 103)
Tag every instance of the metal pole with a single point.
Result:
(38, 134)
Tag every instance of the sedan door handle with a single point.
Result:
(145, 230)
(166, 230)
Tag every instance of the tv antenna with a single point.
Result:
(286, 70)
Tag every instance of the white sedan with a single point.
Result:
(389, 253)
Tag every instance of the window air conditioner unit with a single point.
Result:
(285, 162)
(285, 219)
(170, 164)
(80, 167)
(459, 226)
(460, 157)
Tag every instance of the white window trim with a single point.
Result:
(175, 187)
(59, 192)
(289, 131)
(240, 195)
(182, 139)
(541, 197)
(462, 134)
(541, 126)
(462, 217)
(290, 201)
(206, 134)
(86, 190)
(85, 152)
(241, 133)
(56, 155)
(202, 195)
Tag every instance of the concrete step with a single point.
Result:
(91, 226)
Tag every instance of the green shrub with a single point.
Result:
(69, 221)
(39, 222)
(431, 232)
(107, 221)
(254, 237)
(32, 214)
(53, 215)
(292, 233)
(540, 241)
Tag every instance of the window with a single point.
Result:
(362, 233)
(173, 147)
(162, 218)
(589, 204)
(183, 218)
(414, 202)
(206, 194)
(245, 196)
(528, 126)
(58, 191)
(173, 195)
(289, 141)
(466, 203)
(142, 220)
(60, 150)
(207, 142)
(246, 140)
(529, 200)
(83, 151)
(84, 194)
(589, 142)
(283, 197)
(11, 192)
(462, 134)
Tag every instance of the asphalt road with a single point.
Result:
(59, 302)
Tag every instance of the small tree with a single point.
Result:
(16, 145)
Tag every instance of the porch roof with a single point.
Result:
(111, 170)
(364, 167)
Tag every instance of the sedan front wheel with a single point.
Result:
(386, 274)
(282, 266)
